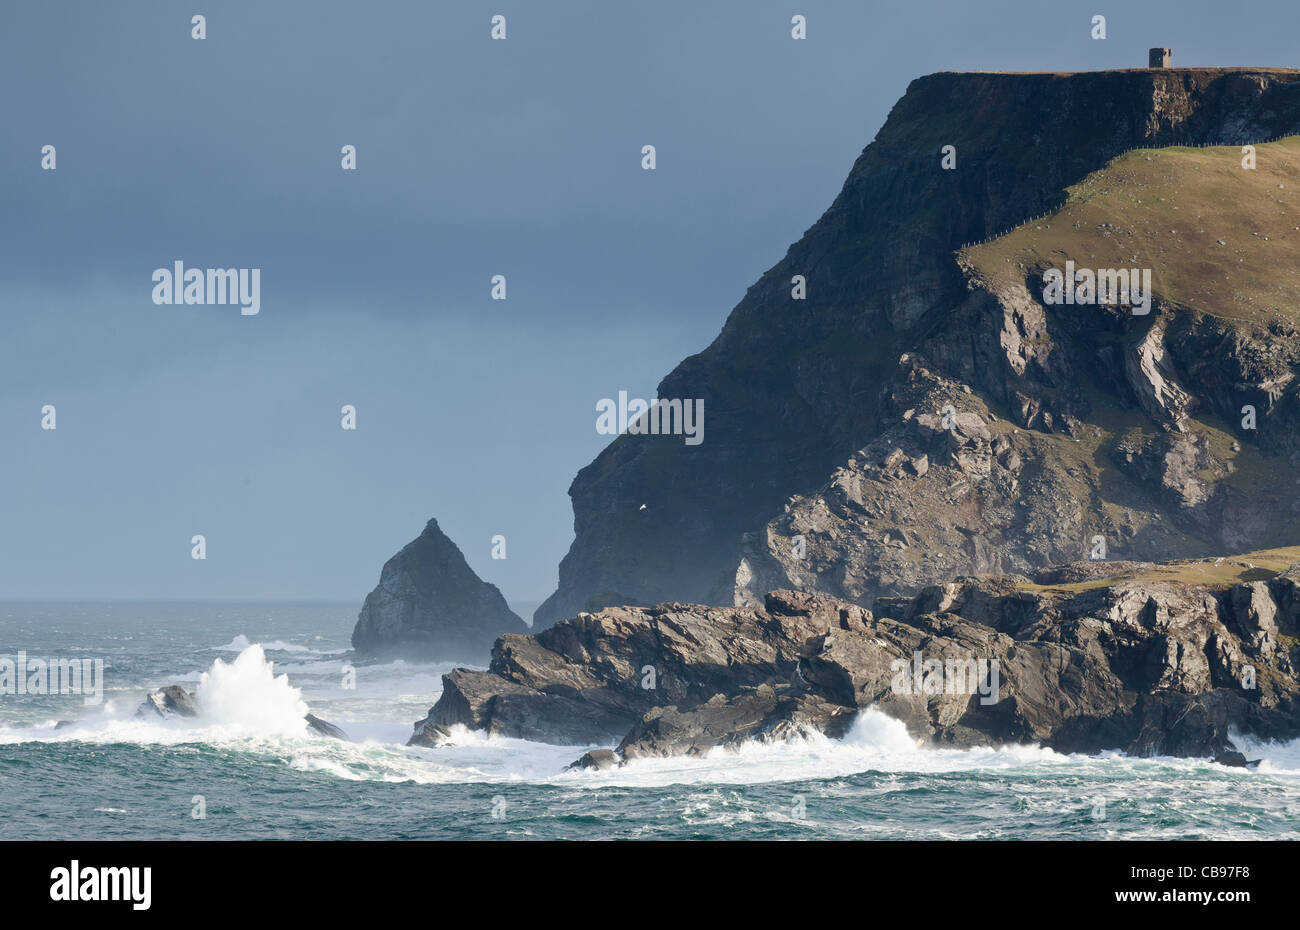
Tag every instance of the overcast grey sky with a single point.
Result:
(475, 157)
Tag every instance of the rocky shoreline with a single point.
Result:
(1141, 661)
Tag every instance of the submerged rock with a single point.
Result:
(429, 604)
(1236, 760)
(324, 727)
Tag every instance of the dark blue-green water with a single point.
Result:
(248, 766)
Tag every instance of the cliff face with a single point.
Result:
(429, 604)
(807, 401)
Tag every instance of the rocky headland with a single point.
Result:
(826, 414)
(1149, 659)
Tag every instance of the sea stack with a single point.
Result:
(429, 604)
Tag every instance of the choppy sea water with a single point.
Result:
(257, 668)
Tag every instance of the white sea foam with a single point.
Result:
(874, 743)
(241, 642)
(245, 706)
(247, 695)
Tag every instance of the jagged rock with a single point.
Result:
(430, 605)
(1255, 613)
(597, 759)
(431, 736)
(324, 728)
(172, 700)
(1142, 664)
(1285, 589)
(1151, 377)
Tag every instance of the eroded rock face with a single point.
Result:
(1144, 666)
(429, 604)
(806, 400)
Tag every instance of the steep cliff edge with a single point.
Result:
(818, 406)
(429, 604)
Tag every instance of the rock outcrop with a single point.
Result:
(829, 465)
(324, 728)
(429, 604)
(171, 701)
(1148, 659)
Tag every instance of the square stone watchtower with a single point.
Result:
(1160, 57)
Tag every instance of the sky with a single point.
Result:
(475, 157)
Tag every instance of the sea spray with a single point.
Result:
(248, 696)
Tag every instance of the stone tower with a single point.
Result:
(1159, 57)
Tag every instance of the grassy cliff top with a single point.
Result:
(1220, 572)
(1219, 239)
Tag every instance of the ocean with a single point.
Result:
(246, 768)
